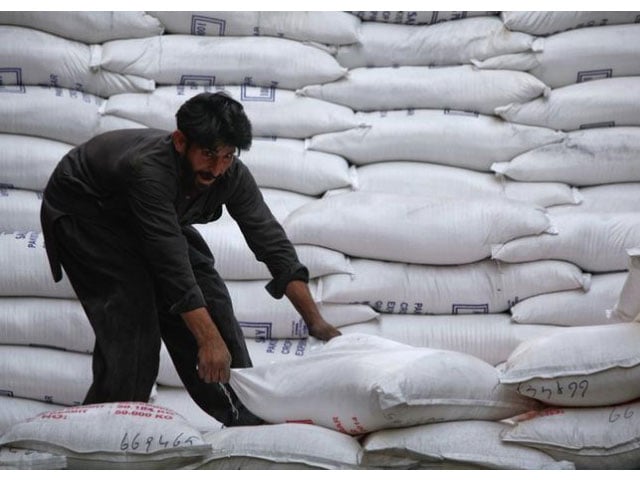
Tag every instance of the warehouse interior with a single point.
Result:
(463, 187)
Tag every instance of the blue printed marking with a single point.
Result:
(250, 93)
(11, 80)
(598, 125)
(461, 308)
(197, 80)
(462, 113)
(258, 329)
(588, 75)
(200, 25)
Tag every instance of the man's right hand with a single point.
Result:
(214, 359)
(214, 363)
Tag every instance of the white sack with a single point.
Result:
(595, 242)
(417, 18)
(55, 113)
(546, 23)
(403, 228)
(236, 261)
(573, 308)
(272, 111)
(458, 88)
(332, 28)
(482, 287)
(284, 446)
(24, 268)
(580, 56)
(45, 374)
(286, 164)
(19, 210)
(27, 162)
(124, 435)
(448, 137)
(15, 410)
(75, 66)
(178, 400)
(612, 102)
(388, 45)
(88, 26)
(589, 157)
(611, 198)
(431, 180)
(489, 337)
(258, 61)
(25, 459)
(375, 384)
(453, 445)
(591, 438)
(627, 305)
(50, 322)
(578, 366)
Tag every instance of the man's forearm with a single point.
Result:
(300, 297)
(202, 327)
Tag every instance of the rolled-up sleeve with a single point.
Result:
(155, 221)
(264, 234)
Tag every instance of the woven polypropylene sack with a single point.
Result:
(375, 384)
(579, 366)
(125, 435)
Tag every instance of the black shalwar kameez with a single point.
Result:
(117, 214)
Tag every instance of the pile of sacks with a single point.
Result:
(460, 190)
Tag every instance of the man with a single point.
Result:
(117, 215)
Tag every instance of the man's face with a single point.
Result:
(209, 164)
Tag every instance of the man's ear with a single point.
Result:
(179, 141)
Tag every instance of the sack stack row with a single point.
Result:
(460, 186)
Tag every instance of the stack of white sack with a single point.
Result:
(576, 56)
(592, 373)
(595, 242)
(76, 66)
(458, 122)
(465, 444)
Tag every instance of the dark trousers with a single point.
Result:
(129, 316)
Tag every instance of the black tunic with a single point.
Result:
(136, 177)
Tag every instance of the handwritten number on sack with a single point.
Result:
(128, 443)
(614, 416)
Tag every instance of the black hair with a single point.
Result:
(213, 119)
